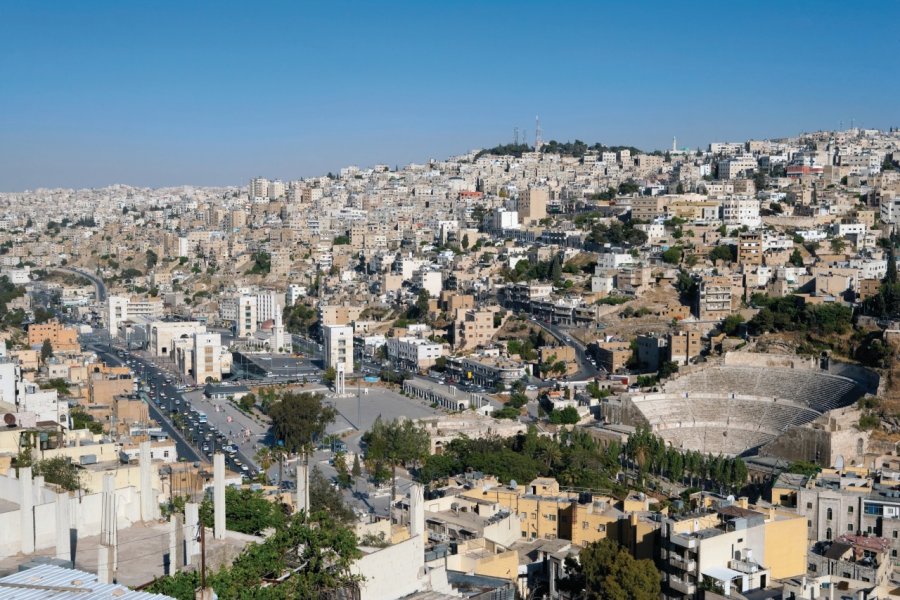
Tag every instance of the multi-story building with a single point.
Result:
(533, 204)
(612, 355)
(338, 346)
(713, 300)
(63, 339)
(207, 364)
(732, 547)
(684, 345)
(414, 354)
(739, 212)
(750, 249)
(120, 309)
(473, 328)
(488, 371)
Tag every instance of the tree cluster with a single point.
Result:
(607, 571)
(615, 233)
(299, 421)
(790, 313)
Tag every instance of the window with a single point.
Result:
(849, 510)
(829, 515)
(809, 523)
(894, 534)
(850, 527)
(828, 533)
(809, 505)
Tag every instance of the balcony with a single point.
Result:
(685, 564)
(680, 585)
(663, 554)
(684, 541)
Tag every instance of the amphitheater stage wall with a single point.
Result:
(780, 361)
(818, 446)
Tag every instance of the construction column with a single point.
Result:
(219, 495)
(302, 485)
(26, 510)
(147, 496)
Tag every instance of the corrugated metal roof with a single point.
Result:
(57, 583)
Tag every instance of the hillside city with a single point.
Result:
(562, 370)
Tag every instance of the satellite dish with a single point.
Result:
(513, 484)
(9, 419)
(730, 498)
(839, 463)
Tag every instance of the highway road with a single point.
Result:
(585, 369)
(99, 286)
(194, 440)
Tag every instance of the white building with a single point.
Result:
(338, 346)
(890, 209)
(120, 309)
(504, 219)
(294, 293)
(741, 211)
(207, 363)
(431, 281)
(413, 353)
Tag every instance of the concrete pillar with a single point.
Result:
(339, 380)
(416, 511)
(63, 525)
(219, 495)
(26, 510)
(148, 497)
(109, 524)
(191, 531)
(176, 543)
(105, 563)
(302, 486)
(38, 488)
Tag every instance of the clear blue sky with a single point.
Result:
(165, 93)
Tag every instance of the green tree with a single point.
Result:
(672, 255)
(61, 471)
(607, 571)
(890, 276)
(152, 258)
(247, 511)
(725, 253)
(395, 443)
(465, 241)
(731, 323)
(356, 471)
(324, 498)
(46, 350)
(838, 245)
(329, 375)
(796, 258)
(299, 420)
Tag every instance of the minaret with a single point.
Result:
(674, 145)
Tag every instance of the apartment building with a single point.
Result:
(412, 353)
(684, 345)
(533, 204)
(750, 249)
(63, 339)
(739, 212)
(731, 546)
(473, 328)
(713, 300)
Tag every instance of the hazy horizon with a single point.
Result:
(99, 93)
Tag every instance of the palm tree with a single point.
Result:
(264, 457)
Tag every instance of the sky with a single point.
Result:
(212, 93)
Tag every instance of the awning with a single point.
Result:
(721, 573)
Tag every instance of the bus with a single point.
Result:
(201, 417)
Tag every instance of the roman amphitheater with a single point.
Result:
(747, 403)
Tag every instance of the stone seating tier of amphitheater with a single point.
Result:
(730, 409)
